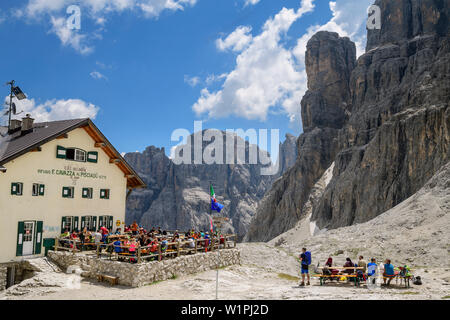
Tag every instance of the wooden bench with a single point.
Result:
(323, 277)
(406, 279)
(111, 279)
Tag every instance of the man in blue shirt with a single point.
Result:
(388, 271)
(372, 270)
(305, 260)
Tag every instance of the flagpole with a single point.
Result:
(218, 251)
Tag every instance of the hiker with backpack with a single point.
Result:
(305, 260)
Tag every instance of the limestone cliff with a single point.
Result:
(387, 130)
(329, 63)
(177, 196)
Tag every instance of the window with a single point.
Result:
(104, 194)
(38, 189)
(88, 222)
(68, 192)
(16, 188)
(28, 232)
(105, 221)
(87, 193)
(76, 154)
(35, 191)
(67, 223)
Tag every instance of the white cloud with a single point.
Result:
(238, 40)
(192, 81)
(212, 78)
(251, 2)
(97, 75)
(69, 37)
(52, 110)
(96, 10)
(265, 74)
(269, 77)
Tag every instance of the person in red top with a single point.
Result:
(104, 233)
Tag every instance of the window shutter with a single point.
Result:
(63, 223)
(38, 237)
(41, 189)
(20, 232)
(85, 193)
(75, 223)
(14, 188)
(65, 192)
(92, 156)
(94, 225)
(60, 152)
(100, 221)
(110, 224)
(83, 223)
(102, 194)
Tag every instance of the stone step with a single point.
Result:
(43, 265)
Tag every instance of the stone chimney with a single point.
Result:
(27, 123)
(15, 123)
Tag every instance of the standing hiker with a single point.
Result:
(305, 260)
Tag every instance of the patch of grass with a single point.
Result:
(446, 297)
(288, 277)
(173, 277)
(156, 282)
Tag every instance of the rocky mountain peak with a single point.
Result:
(329, 61)
(405, 20)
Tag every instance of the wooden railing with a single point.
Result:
(171, 250)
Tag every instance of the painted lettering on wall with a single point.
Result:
(73, 172)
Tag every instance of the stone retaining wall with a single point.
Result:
(136, 275)
(3, 277)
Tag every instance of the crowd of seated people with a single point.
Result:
(364, 271)
(133, 236)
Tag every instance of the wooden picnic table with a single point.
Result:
(342, 268)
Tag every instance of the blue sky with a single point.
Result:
(143, 68)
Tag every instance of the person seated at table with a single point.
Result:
(164, 244)
(154, 246)
(65, 234)
(388, 272)
(348, 263)
(133, 246)
(74, 235)
(117, 246)
(118, 231)
(134, 228)
(191, 243)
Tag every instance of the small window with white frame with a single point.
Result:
(35, 190)
(17, 188)
(76, 154)
(87, 193)
(68, 192)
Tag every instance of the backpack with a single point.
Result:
(308, 257)
(417, 280)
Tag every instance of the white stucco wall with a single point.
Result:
(51, 207)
